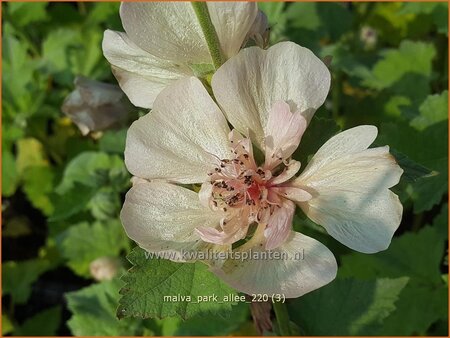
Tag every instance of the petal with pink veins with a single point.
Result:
(181, 139)
(283, 134)
(248, 85)
(350, 187)
(279, 224)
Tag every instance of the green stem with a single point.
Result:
(201, 11)
(282, 315)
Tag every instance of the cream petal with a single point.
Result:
(248, 85)
(161, 217)
(141, 75)
(232, 22)
(167, 30)
(181, 139)
(348, 142)
(292, 168)
(279, 225)
(295, 194)
(309, 265)
(351, 196)
(283, 134)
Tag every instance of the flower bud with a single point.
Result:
(104, 268)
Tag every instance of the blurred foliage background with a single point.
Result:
(62, 240)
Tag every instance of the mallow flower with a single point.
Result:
(164, 42)
(268, 96)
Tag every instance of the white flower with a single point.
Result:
(96, 106)
(164, 42)
(268, 96)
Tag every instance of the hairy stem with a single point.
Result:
(201, 10)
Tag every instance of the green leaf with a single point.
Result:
(412, 171)
(113, 141)
(10, 176)
(7, 325)
(71, 202)
(418, 256)
(433, 110)
(19, 276)
(22, 13)
(347, 306)
(90, 169)
(33, 326)
(105, 204)
(314, 25)
(38, 185)
(93, 312)
(151, 279)
(202, 324)
(30, 152)
(55, 49)
(428, 149)
(82, 243)
(410, 58)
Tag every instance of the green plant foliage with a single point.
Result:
(34, 326)
(348, 306)
(418, 256)
(18, 277)
(82, 243)
(93, 310)
(150, 279)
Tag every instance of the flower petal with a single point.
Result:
(162, 217)
(351, 196)
(167, 30)
(283, 133)
(181, 138)
(248, 85)
(141, 75)
(309, 265)
(350, 141)
(279, 225)
(232, 22)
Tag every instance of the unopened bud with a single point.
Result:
(104, 268)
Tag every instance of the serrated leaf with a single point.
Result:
(33, 326)
(433, 110)
(83, 243)
(347, 306)
(19, 276)
(93, 312)
(149, 280)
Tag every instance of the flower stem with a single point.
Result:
(201, 10)
(282, 315)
